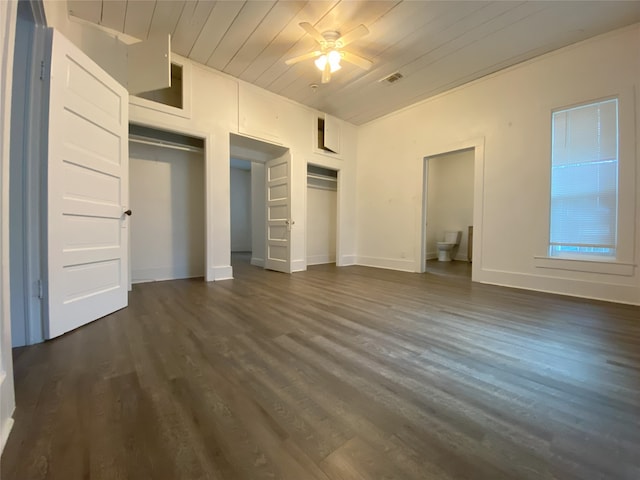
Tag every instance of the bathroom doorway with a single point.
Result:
(450, 204)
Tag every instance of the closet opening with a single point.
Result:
(167, 198)
(28, 176)
(322, 214)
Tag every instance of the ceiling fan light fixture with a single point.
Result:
(331, 52)
(333, 57)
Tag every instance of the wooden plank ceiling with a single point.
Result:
(435, 45)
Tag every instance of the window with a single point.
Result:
(584, 180)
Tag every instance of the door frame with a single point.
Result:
(28, 174)
(8, 16)
(478, 195)
(258, 151)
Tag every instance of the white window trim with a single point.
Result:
(625, 260)
(591, 265)
(588, 257)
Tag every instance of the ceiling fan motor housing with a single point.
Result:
(330, 37)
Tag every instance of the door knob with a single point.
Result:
(128, 212)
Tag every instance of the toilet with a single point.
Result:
(451, 239)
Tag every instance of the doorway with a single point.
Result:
(452, 191)
(254, 155)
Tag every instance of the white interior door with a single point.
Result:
(87, 230)
(279, 223)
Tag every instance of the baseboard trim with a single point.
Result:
(138, 281)
(298, 265)
(258, 262)
(346, 260)
(220, 273)
(160, 274)
(592, 290)
(6, 409)
(387, 263)
(7, 426)
(320, 259)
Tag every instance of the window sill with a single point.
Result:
(591, 266)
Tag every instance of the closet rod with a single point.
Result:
(161, 143)
(320, 187)
(322, 177)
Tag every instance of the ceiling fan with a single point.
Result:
(331, 50)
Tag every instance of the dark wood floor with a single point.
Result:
(454, 268)
(334, 374)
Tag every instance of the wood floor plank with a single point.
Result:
(334, 374)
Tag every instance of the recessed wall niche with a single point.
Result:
(173, 95)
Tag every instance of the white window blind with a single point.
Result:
(584, 180)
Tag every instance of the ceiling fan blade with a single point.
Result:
(326, 73)
(315, 34)
(356, 33)
(300, 58)
(357, 60)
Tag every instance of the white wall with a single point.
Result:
(240, 210)
(321, 225)
(8, 11)
(450, 200)
(220, 110)
(167, 225)
(510, 113)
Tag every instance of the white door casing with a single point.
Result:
(278, 204)
(87, 231)
(8, 14)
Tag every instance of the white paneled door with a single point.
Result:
(87, 231)
(279, 223)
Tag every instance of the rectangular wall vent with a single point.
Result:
(394, 77)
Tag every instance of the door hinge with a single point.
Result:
(41, 69)
(39, 289)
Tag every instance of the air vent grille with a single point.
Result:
(394, 77)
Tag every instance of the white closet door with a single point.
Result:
(87, 191)
(279, 223)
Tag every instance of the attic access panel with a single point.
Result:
(172, 96)
(328, 137)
